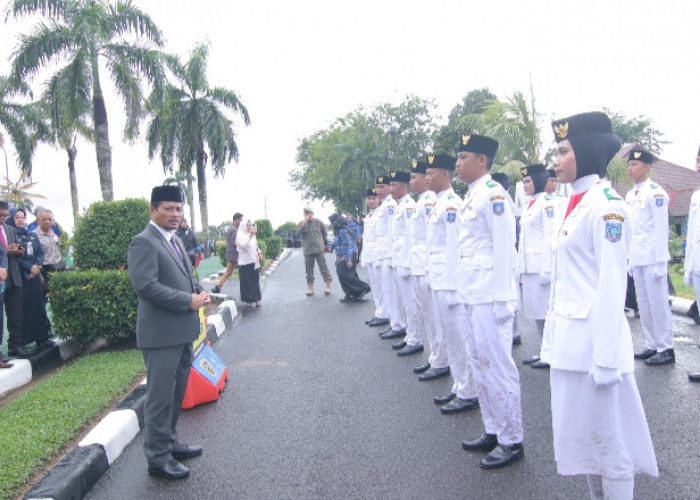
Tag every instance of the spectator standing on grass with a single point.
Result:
(314, 241)
(231, 251)
(166, 325)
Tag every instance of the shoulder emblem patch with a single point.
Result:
(498, 197)
(549, 210)
(659, 200)
(498, 208)
(451, 214)
(491, 184)
(613, 231)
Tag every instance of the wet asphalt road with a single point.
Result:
(317, 406)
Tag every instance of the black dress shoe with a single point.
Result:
(502, 455)
(368, 321)
(46, 344)
(3, 357)
(645, 354)
(539, 364)
(458, 405)
(667, 357)
(694, 377)
(398, 345)
(443, 400)
(531, 359)
(183, 451)
(486, 442)
(216, 289)
(517, 340)
(5, 364)
(393, 334)
(434, 373)
(379, 322)
(171, 470)
(19, 352)
(421, 368)
(348, 298)
(362, 294)
(411, 349)
(693, 312)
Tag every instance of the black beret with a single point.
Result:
(641, 155)
(418, 167)
(446, 162)
(480, 144)
(334, 217)
(529, 170)
(166, 193)
(399, 177)
(594, 122)
(371, 192)
(382, 179)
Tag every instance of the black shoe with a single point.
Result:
(46, 344)
(368, 321)
(539, 364)
(379, 322)
(6, 359)
(434, 373)
(458, 405)
(487, 442)
(399, 345)
(5, 364)
(693, 312)
(421, 368)
(347, 298)
(183, 451)
(18, 352)
(517, 340)
(645, 354)
(443, 400)
(171, 470)
(694, 377)
(531, 359)
(362, 294)
(393, 334)
(216, 289)
(667, 357)
(502, 455)
(411, 349)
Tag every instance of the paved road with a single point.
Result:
(317, 406)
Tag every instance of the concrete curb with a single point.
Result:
(74, 475)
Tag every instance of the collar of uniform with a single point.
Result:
(642, 184)
(584, 183)
(442, 193)
(387, 198)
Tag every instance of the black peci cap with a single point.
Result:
(480, 144)
(445, 162)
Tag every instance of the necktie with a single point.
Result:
(575, 199)
(3, 240)
(177, 250)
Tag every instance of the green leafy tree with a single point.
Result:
(264, 229)
(15, 117)
(93, 35)
(189, 118)
(18, 193)
(637, 130)
(184, 180)
(474, 103)
(288, 226)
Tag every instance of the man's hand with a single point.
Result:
(34, 271)
(3, 274)
(15, 249)
(350, 264)
(199, 299)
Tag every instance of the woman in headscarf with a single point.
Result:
(249, 258)
(598, 420)
(345, 247)
(533, 266)
(34, 317)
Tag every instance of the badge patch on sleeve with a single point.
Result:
(429, 208)
(409, 213)
(659, 200)
(390, 210)
(451, 215)
(613, 231)
(498, 208)
(549, 210)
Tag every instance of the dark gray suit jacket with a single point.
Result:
(164, 285)
(14, 276)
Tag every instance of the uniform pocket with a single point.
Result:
(570, 309)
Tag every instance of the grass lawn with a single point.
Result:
(676, 274)
(40, 423)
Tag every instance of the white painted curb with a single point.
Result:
(114, 433)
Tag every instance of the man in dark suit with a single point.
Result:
(4, 361)
(13, 286)
(167, 324)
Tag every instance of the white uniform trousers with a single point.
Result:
(451, 321)
(696, 285)
(381, 309)
(438, 349)
(495, 373)
(397, 314)
(373, 285)
(654, 311)
(415, 328)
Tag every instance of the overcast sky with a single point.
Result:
(297, 66)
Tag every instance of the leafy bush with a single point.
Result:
(104, 233)
(91, 304)
(264, 229)
(221, 252)
(287, 227)
(274, 247)
(262, 245)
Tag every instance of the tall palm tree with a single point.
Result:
(18, 192)
(14, 117)
(189, 118)
(91, 34)
(187, 188)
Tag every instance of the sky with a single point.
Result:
(298, 66)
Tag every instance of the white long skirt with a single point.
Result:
(599, 431)
(535, 296)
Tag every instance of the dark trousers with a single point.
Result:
(350, 282)
(12, 301)
(167, 372)
(310, 260)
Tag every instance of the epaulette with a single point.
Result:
(450, 196)
(653, 186)
(609, 195)
(491, 184)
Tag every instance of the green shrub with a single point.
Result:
(104, 233)
(274, 247)
(264, 229)
(221, 252)
(92, 304)
(262, 245)
(287, 227)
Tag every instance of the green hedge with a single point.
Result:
(264, 229)
(274, 247)
(221, 252)
(104, 233)
(92, 304)
(262, 245)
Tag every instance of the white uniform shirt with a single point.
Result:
(586, 324)
(443, 231)
(536, 225)
(369, 239)
(487, 244)
(400, 234)
(385, 219)
(419, 233)
(648, 207)
(692, 237)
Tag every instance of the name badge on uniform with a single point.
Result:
(613, 231)
(451, 214)
(498, 208)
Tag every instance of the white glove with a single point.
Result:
(452, 298)
(403, 272)
(660, 270)
(688, 278)
(629, 271)
(603, 377)
(545, 278)
(503, 311)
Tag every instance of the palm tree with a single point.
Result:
(188, 118)
(90, 34)
(14, 118)
(18, 194)
(187, 188)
